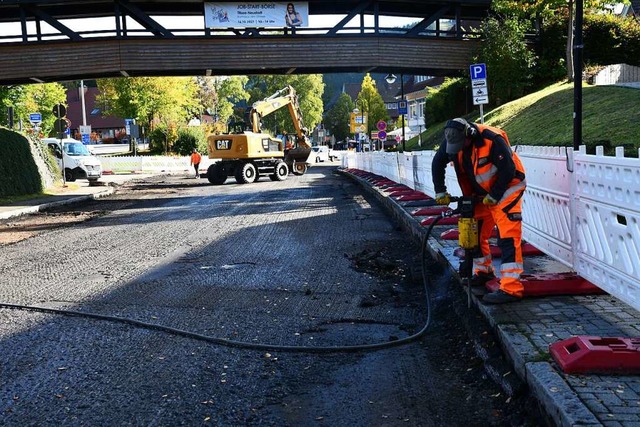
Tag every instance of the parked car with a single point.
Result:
(320, 153)
(79, 162)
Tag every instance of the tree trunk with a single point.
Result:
(570, 43)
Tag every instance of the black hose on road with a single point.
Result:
(256, 346)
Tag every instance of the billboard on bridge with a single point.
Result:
(256, 14)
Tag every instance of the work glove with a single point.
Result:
(489, 201)
(443, 198)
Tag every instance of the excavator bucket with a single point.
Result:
(298, 159)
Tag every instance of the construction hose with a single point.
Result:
(254, 346)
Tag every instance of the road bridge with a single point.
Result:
(43, 41)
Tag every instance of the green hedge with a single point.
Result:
(19, 172)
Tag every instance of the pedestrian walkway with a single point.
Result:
(526, 328)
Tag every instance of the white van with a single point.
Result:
(79, 163)
(320, 153)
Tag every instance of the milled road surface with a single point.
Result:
(310, 261)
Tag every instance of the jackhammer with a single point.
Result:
(468, 238)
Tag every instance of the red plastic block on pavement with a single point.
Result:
(449, 220)
(415, 195)
(397, 188)
(602, 355)
(536, 285)
(402, 192)
(430, 211)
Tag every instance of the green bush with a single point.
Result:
(608, 39)
(446, 102)
(611, 39)
(190, 138)
(19, 172)
(159, 141)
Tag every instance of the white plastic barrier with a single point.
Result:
(583, 210)
(607, 213)
(546, 207)
(151, 164)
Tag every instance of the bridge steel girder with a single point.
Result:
(87, 59)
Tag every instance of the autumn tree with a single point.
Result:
(218, 95)
(370, 101)
(33, 98)
(337, 118)
(169, 100)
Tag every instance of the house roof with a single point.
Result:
(93, 112)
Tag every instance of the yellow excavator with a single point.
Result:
(246, 153)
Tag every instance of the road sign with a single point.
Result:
(481, 91)
(480, 100)
(479, 83)
(382, 135)
(478, 71)
(61, 125)
(35, 118)
(402, 107)
(374, 134)
(381, 125)
(59, 111)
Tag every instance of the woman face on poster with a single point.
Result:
(292, 18)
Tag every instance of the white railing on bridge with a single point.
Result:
(580, 209)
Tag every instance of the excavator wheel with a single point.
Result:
(246, 173)
(216, 174)
(299, 168)
(281, 172)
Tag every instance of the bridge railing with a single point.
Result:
(580, 209)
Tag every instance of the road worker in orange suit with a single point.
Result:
(196, 158)
(488, 170)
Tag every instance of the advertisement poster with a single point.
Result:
(256, 14)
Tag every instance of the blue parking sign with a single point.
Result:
(478, 71)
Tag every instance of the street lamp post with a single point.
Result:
(391, 78)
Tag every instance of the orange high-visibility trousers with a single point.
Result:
(507, 215)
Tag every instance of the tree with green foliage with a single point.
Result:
(309, 89)
(541, 10)
(33, 98)
(337, 118)
(370, 101)
(149, 100)
(231, 91)
(509, 60)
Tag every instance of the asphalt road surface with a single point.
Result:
(309, 262)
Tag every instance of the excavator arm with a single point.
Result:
(285, 97)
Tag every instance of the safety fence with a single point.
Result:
(580, 209)
(151, 164)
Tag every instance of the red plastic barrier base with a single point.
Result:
(527, 250)
(430, 211)
(597, 355)
(400, 188)
(537, 285)
(450, 220)
(416, 195)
